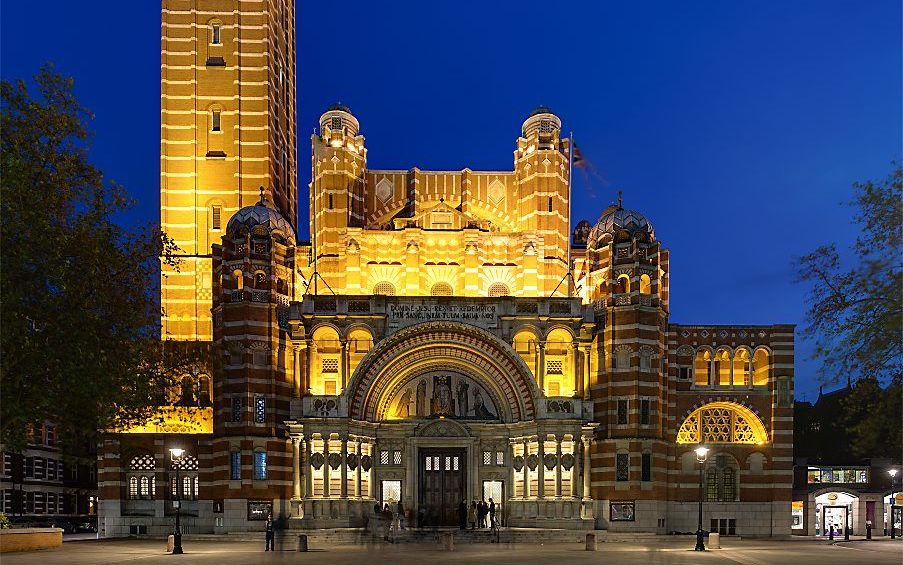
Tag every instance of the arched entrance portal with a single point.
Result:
(444, 395)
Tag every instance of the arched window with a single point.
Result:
(723, 367)
(216, 33)
(441, 289)
(260, 280)
(701, 368)
(760, 367)
(741, 367)
(728, 485)
(239, 279)
(645, 358)
(498, 289)
(204, 396)
(384, 288)
(711, 484)
(645, 284)
(722, 423)
(133, 487)
(188, 468)
(721, 480)
(144, 486)
(623, 284)
(622, 358)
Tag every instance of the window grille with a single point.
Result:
(396, 458)
(236, 409)
(554, 367)
(260, 465)
(498, 289)
(186, 463)
(335, 123)
(622, 467)
(217, 212)
(235, 465)
(499, 458)
(441, 289)
(384, 457)
(144, 462)
(330, 365)
(487, 458)
(711, 485)
(545, 126)
(260, 409)
(728, 485)
(384, 288)
(622, 411)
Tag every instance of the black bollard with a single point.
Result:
(868, 530)
(846, 534)
(831, 534)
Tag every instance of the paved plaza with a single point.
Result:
(647, 552)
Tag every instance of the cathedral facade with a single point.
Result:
(428, 346)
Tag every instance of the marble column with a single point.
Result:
(345, 365)
(541, 376)
(308, 472)
(558, 440)
(357, 470)
(344, 467)
(587, 467)
(526, 471)
(296, 467)
(541, 478)
(576, 485)
(326, 469)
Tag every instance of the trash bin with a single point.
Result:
(590, 542)
(302, 542)
(170, 543)
(714, 540)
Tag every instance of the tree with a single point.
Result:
(872, 416)
(79, 325)
(855, 313)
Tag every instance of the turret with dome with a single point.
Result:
(261, 218)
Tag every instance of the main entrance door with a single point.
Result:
(442, 476)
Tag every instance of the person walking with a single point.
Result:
(472, 514)
(400, 512)
(462, 515)
(270, 534)
(387, 516)
(491, 513)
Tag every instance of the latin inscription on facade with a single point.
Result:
(483, 315)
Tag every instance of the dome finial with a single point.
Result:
(620, 200)
(263, 199)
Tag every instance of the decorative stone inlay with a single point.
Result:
(352, 461)
(518, 463)
(550, 460)
(317, 460)
(532, 461)
(335, 460)
(567, 461)
(366, 463)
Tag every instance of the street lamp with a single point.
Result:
(177, 453)
(893, 483)
(702, 453)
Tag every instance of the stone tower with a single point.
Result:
(227, 127)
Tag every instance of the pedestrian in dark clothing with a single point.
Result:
(462, 515)
(472, 514)
(482, 511)
(271, 534)
(491, 513)
(400, 515)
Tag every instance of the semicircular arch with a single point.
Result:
(722, 422)
(436, 346)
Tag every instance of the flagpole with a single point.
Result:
(570, 274)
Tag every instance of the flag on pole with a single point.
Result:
(578, 161)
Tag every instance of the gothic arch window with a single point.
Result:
(239, 279)
(723, 367)
(497, 290)
(385, 288)
(441, 289)
(741, 367)
(260, 280)
(646, 359)
(722, 423)
(187, 488)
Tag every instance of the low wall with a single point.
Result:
(30, 539)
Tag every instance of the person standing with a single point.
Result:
(491, 513)
(462, 515)
(270, 534)
(400, 512)
(472, 514)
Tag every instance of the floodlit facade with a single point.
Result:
(427, 346)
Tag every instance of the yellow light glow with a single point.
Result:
(175, 420)
(722, 422)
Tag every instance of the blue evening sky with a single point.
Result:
(737, 127)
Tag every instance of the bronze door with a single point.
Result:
(442, 476)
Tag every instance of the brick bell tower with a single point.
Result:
(254, 278)
(627, 275)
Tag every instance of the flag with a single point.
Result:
(578, 161)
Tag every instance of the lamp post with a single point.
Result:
(702, 453)
(177, 453)
(893, 483)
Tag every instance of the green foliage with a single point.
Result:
(855, 312)
(4, 522)
(80, 316)
(872, 416)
